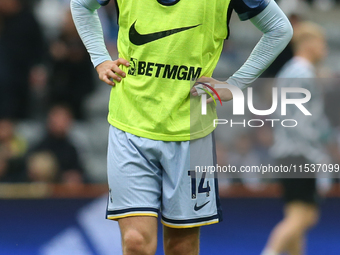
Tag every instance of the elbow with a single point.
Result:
(283, 32)
(288, 31)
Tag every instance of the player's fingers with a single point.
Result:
(108, 81)
(112, 75)
(122, 61)
(199, 83)
(210, 99)
(203, 85)
(119, 71)
(193, 91)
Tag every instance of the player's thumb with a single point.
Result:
(210, 99)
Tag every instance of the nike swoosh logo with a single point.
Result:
(197, 208)
(140, 39)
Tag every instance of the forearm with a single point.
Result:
(85, 17)
(277, 34)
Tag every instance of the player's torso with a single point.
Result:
(168, 45)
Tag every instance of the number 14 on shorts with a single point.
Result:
(201, 188)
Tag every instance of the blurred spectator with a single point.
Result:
(42, 167)
(12, 149)
(57, 142)
(72, 73)
(50, 14)
(302, 145)
(21, 48)
(15, 144)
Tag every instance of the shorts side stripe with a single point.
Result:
(146, 211)
(218, 203)
(116, 217)
(190, 223)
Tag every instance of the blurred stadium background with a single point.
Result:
(53, 139)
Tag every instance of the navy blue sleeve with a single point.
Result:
(247, 9)
(103, 2)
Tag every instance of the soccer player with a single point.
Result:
(157, 135)
(300, 145)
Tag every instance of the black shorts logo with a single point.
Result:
(197, 208)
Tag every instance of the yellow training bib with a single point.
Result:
(167, 46)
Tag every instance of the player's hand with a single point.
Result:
(224, 93)
(110, 70)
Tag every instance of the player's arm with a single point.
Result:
(277, 32)
(85, 17)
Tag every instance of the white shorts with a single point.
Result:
(149, 176)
